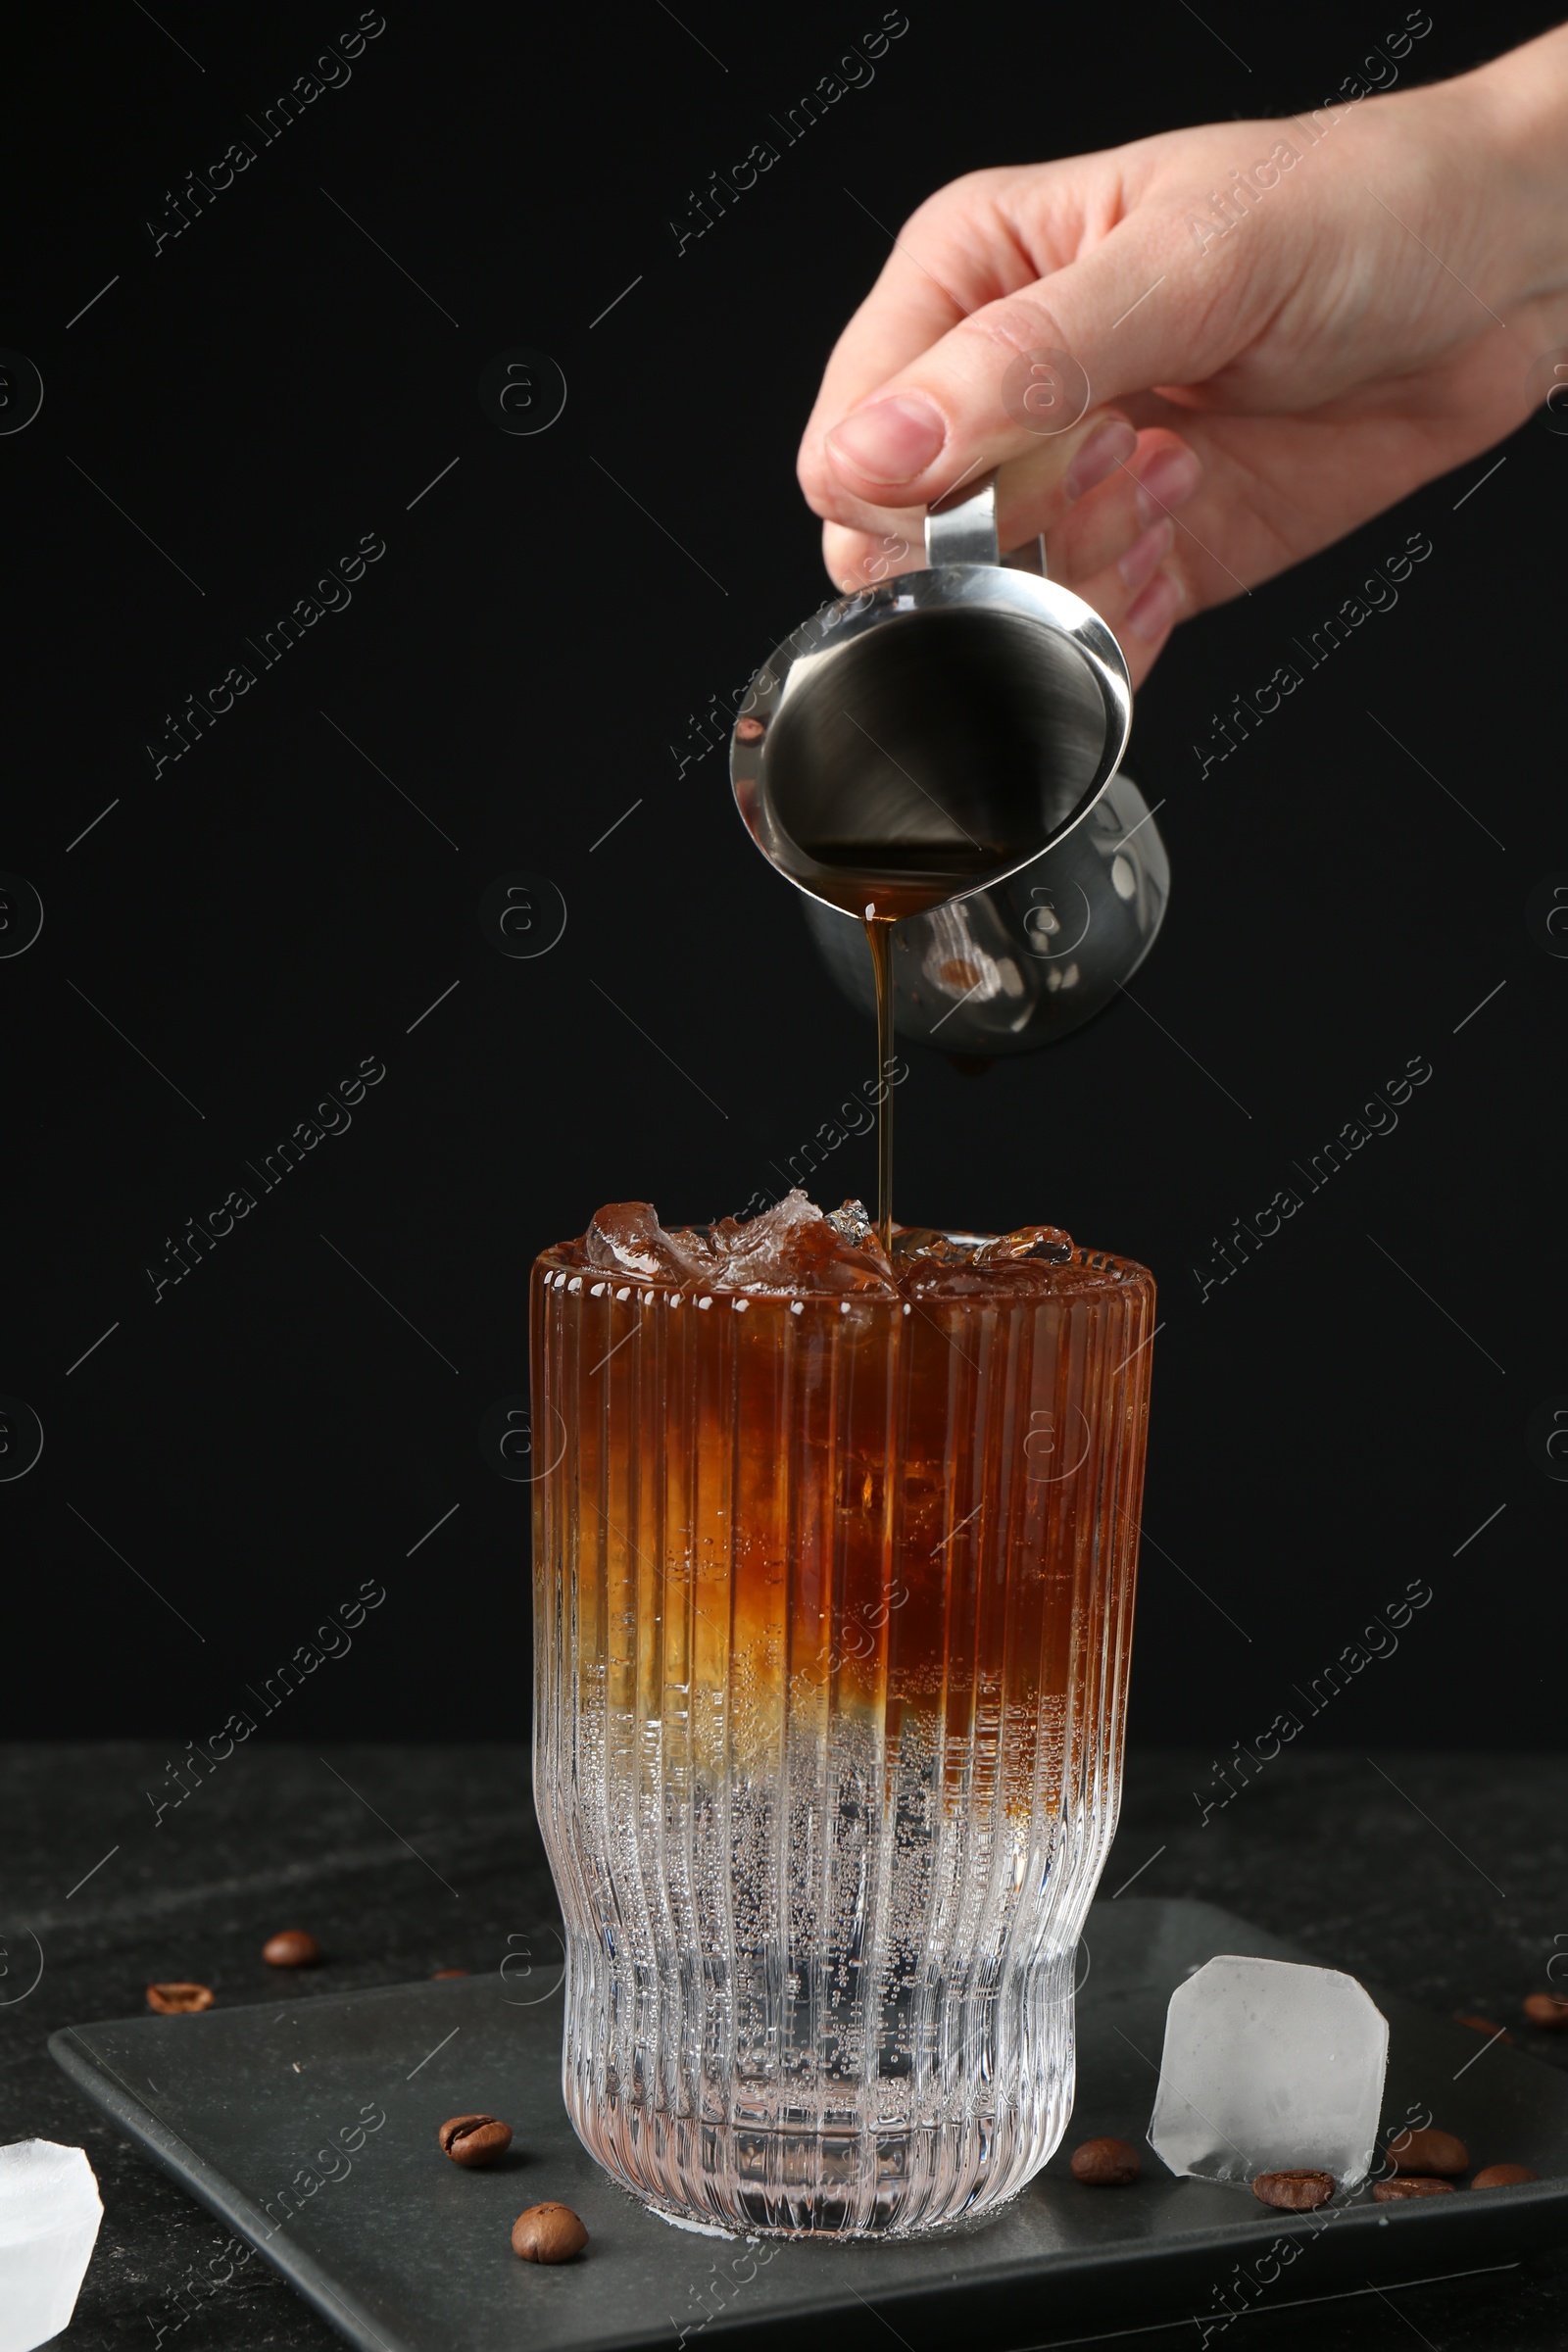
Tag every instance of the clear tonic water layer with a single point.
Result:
(833, 1591)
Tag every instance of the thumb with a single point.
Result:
(1018, 374)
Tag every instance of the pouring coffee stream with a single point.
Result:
(879, 935)
(926, 739)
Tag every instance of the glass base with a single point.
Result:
(783, 2182)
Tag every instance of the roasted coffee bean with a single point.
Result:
(547, 2234)
(180, 2000)
(1294, 2192)
(1106, 2164)
(446, 1972)
(474, 2138)
(1398, 2192)
(1429, 2151)
(1547, 2009)
(293, 1948)
(749, 730)
(1482, 2025)
(1504, 2175)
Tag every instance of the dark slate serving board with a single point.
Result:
(406, 2253)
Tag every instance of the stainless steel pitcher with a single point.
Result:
(946, 743)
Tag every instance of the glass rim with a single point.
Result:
(1116, 1274)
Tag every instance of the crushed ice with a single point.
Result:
(793, 1247)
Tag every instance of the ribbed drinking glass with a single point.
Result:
(833, 1597)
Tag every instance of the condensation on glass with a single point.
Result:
(833, 1603)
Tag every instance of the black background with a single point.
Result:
(240, 1456)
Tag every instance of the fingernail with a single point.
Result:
(1150, 614)
(1147, 553)
(892, 441)
(1167, 481)
(1108, 446)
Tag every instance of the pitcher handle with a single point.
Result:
(962, 528)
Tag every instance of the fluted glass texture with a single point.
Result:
(833, 1598)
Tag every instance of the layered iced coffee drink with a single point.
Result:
(833, 1583)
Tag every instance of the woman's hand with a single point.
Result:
(1367, 321)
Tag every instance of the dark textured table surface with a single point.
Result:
(1440, 1877)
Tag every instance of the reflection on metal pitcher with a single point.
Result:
(1031, 958)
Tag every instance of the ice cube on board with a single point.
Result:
(1269, 2065)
